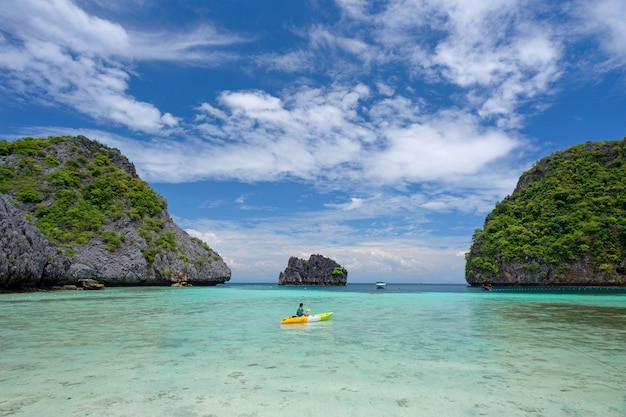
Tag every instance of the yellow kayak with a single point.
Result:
(306, 319)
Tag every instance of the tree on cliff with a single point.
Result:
(564, 224)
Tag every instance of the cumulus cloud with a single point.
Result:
(499, 53)
(62, 23)
(446, 144)
(603, 19)
(327, 133)
(57, 52)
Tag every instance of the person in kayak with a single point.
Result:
(300, 310)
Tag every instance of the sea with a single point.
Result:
(407, 350)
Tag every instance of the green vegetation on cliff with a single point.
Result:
(73, 208)
(570, 207)
(72, 197)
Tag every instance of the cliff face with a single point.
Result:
(26, 257)
(564, 224)
(71, 208)
(317, 270)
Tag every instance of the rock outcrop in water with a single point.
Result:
(564, 225)
(72, 208)
(317, 270)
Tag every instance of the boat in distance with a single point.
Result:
(381, 285)
(307, 319)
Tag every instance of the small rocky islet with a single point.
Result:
(318, 270)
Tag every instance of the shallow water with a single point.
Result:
(404, 351)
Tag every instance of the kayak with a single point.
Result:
(306, 319)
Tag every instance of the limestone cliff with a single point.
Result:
(72, 208)
(317, 270)
(564, 224)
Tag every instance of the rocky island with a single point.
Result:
(317, 270)
(564, 224)
(72, 209)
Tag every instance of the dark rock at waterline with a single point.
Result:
(317, 270)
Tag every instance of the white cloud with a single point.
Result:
(354, 8)
(62, 23)
(355, 203)
(385, 89)
(319, 134)
(291, 62)
(500, 53)
(195, 47)
(448, 144)
(59, 53)
(257, 105)
(605, 19)
(321, 38)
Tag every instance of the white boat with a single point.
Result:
(381, 285)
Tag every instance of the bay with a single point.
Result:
(409, 350)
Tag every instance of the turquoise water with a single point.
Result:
(404, 351)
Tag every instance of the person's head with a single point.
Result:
(301, 304)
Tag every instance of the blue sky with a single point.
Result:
(379, 134)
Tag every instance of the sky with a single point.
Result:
(377, 133)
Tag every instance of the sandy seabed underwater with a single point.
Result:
(412, 350)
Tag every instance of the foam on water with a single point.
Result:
(221, 352)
